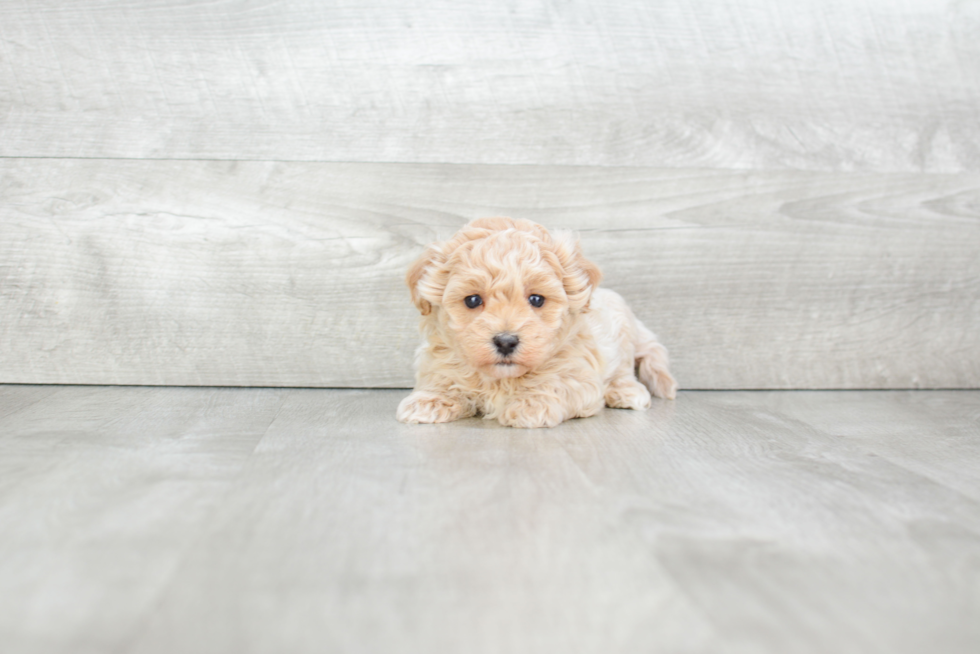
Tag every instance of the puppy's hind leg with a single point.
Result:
(652, 364)
(626, 393)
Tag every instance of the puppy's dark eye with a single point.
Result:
(536, 300)
(473, 301)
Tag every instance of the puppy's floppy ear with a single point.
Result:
(579, 275)
(427, 277)
(414, 278)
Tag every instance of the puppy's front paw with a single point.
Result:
(427, 407)
(628, 394)
(529, 413)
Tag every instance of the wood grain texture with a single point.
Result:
(102, 492)
(256, 520)
(17, 398)
(290, 274)
(839, 85)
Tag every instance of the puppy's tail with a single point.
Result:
(652, 362)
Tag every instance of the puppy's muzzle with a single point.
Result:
(506, 343)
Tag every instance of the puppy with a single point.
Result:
(514, 328)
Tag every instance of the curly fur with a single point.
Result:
(581, 350)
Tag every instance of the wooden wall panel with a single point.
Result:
(264, 273)
(829, 85)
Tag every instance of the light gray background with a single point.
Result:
(228, 193)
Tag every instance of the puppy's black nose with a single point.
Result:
(506, 343)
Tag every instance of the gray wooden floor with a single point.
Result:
(137, 519)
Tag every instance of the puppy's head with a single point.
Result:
(503, 292)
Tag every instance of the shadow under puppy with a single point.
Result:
(514, 328)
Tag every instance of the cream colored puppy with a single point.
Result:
(514, 328)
